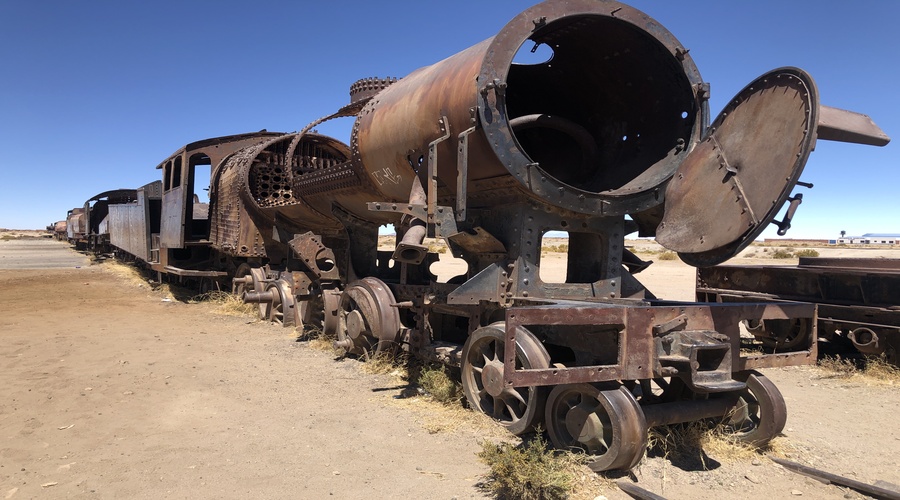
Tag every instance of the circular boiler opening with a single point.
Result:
(608, 112)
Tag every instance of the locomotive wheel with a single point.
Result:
(310, 313)
(760, 413)
(780, 333)
(331, 305)
(259, 285)
(519, 409)
(608, 425)
(238, 286)
(283, 307)
(367, 323)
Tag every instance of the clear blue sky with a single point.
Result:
(94, 94)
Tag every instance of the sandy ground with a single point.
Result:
(111, 391)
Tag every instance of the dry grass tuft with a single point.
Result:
(227, 303)
(130, 274)
(436, 381)
(387, 363)
(700, 440)
(869, 369)
(780, 447)
(880, 369)
(806, 252)
(438, 417)
(316, 339)
(529, 471)
(838, 367)
(668, 256)
(781, 253)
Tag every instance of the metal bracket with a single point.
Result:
(433, 170)
(462, 173)
(444, 221)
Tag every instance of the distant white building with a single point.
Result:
(869, 239)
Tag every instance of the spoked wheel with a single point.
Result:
(780, 333)
(608, 425)
(519, 409)
(760, 413)
(367, 323)
(283, 307)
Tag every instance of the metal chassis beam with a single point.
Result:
(638, 344)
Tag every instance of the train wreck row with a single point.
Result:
(610, 137)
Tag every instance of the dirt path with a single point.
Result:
(109, 391)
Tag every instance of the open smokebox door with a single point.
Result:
(735, 181)
(733, 184)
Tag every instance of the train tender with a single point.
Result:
(608, 137)
(858, 300)
(87, 227)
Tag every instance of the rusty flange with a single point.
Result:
(367, 321)
(760, 413)
(282, 308)
(607, 424)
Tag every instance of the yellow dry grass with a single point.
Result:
(436, 381)
(704, 439)
(872, 370)
(436, 417)
(386, 363)
(129, 274)
(227, 303)
(316, 339)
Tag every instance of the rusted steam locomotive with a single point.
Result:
(608, 138)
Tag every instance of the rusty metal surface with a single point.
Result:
(639, 139)
(131, 224)
(735, 182)
(871, 284)
(638, 349)
(178, 191)
(608, 139)
(75, 224)
(608, 425)
(857, 300)
(59, 230)
(848, 126)
(635, 491)
(839, 263)
(368, 323)
(827, 477)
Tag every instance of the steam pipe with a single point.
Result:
(410, 249)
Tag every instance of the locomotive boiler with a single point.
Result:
(609, 137)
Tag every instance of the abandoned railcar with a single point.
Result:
(610, 137)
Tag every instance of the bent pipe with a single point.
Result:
(410, 249)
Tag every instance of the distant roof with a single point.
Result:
(881, 235)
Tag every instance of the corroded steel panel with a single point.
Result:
(735, 182)
(172, 230)
(131, 224)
